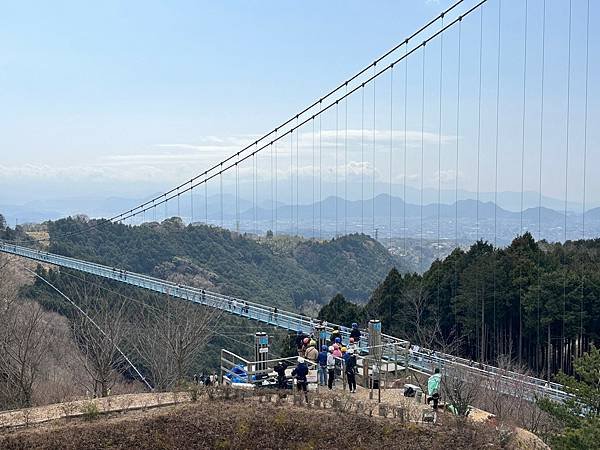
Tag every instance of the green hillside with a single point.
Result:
(305, 274)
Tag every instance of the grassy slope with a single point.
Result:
(229, 425)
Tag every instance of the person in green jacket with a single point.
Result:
(433, 388)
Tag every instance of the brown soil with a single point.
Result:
(247, 425)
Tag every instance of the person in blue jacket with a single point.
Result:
(301, 373)
(322, 361)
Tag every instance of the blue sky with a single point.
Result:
(131, 97)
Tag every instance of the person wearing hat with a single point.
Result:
(322, 360)
(337, 353)
(311, 353)
(352, 345)
(355, 333)
(345, 355)
(301, 373)
(351, 370)
(302, 351)
(335, 334)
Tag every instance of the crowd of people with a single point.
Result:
(335, 353)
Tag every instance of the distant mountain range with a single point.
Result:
(242, 214)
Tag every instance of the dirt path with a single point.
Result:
(79, 408)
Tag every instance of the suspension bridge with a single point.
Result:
(441, 108)
(422, 360)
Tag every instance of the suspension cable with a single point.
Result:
(346, 164)
(539, 342)
(191, 204)
(292, 182)
(166, 198)
(495, 337)
(313, 178)
(336, 167)
(457, 137)
(422, 157)
(585, 122)
(524, 118)
(562, 359)
(362, 163)
(391, 147)
(374, 138)
(405, 150)
(439, 174)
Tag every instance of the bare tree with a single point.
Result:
(99, 336)
(24, 345)
(461, 388)
(171, 340)
(423, 332)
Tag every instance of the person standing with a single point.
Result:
(433, 388)
(311, 353)
(322, 360)
(301, 373)
(355, 333)
(281, 380)
(351, 370)
(335, 334)
(330, 368)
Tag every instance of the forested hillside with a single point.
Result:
(536, 302)
(309, 273)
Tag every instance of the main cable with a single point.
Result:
(144, 206)
(376, 75)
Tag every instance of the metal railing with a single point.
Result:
(424, 360)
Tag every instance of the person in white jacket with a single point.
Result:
(330, 368)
